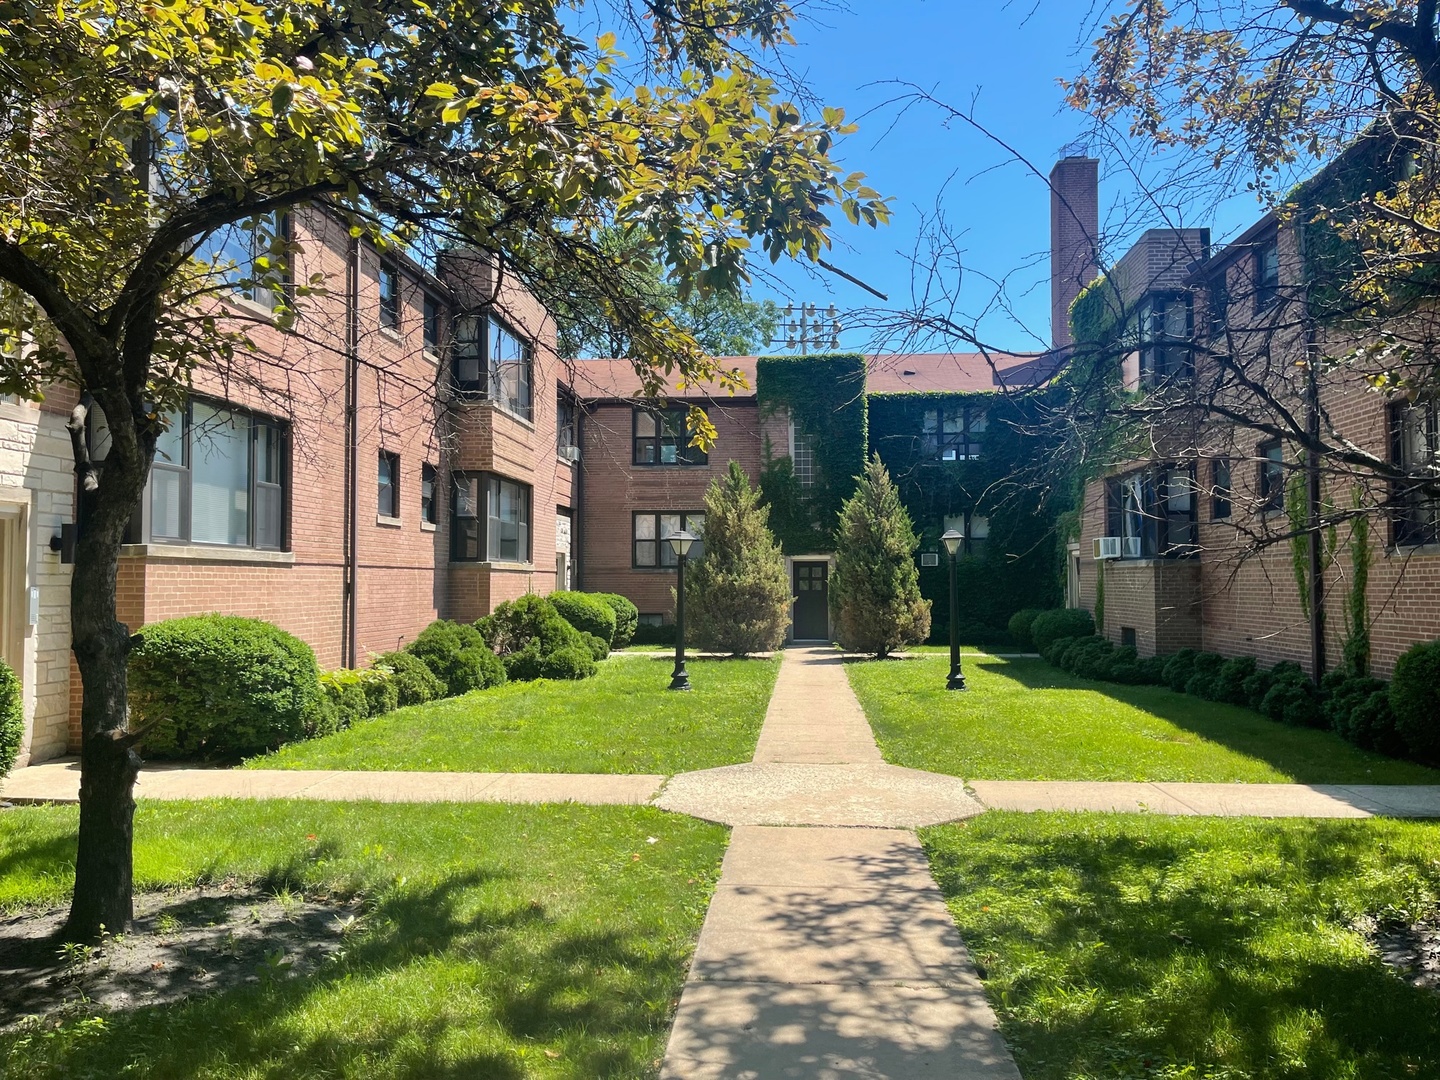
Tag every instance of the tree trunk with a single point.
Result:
(103, 899)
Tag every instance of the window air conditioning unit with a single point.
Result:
(1132, 547)
(1107, 547)
(570, 453)
(929, 558)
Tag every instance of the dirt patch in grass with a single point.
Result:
(181, 944)
(1411, 950)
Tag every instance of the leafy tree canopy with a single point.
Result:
(134, 136)
(722, 324)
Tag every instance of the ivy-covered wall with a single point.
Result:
(1017, 566)
(825, 395)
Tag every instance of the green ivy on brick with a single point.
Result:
(825, 394)
(1017, 567)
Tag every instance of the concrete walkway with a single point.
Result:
(1214, 800)
(826, 952)
(60, 782)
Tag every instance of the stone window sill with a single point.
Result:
(206, 553)
(1401, 551)
(393, 334)
(427, 526)
(387, 522)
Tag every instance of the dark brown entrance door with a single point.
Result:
(812, 602)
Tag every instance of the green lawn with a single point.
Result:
(624, 720)
(501, 941)
(1194, 949)
(1026, 720)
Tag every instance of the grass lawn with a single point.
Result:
(1026, 720)
(1130, 946)
(499, 941)
(624, 720)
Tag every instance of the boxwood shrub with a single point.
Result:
(1179, 668)
(1230, 680)
(587, 613)
(12, 718)
(221, 686)
(526, 632)
(1203, 675)
(412, 678)
(1415, 700)
(458, 656)
(1020, 625)
(627, 618)
(1050, 626)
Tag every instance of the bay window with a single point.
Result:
(489, 519)
(493, 362)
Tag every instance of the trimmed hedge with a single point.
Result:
(223, 686)
(458, 656)
(1358, 708)
(1050, 626)
(1020, 625)
(527, 633)
(1415, 700)
(12, 718)
(587, 613)
(359, 694)
(627, 618)
(412, 678)
(650, 634)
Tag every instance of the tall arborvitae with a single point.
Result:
(875, 591)
(737, 595)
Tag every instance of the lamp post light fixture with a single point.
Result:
(952, 540)
(680, 543)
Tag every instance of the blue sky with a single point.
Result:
(1001, 61)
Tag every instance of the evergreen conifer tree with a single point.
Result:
(875, 590)
(737, 595)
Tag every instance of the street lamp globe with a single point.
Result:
(952, 539)
(681, 542)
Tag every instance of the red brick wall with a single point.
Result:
(614, 489)
(404, 576)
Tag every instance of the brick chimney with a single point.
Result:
(1074, 232)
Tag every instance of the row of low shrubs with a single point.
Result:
(1401, 719)
(226, 686)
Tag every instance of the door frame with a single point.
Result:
(829, 561)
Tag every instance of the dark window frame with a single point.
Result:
(277, 434)
(1270, 476)
(473, 544)
(387, 482)
(429, 493)
(392, 300)
(1266, 273)
(1144, 505)
(967, 444)
(432, 313)
(1165, 358)
(671, 431)
(478, 354)
(567, 421)
(1222, 491)
(665, 557)
(1415, 521)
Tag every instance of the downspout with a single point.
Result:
(1312, 477)
(577, 504)
(349, 647)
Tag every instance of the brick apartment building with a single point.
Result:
(1184, 522)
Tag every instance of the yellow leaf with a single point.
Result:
(443, 90)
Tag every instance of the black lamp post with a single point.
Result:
(680, 543)
(952, 540)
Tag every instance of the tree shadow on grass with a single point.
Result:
(442, 974)
(1304, 755)
(1111, 961)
